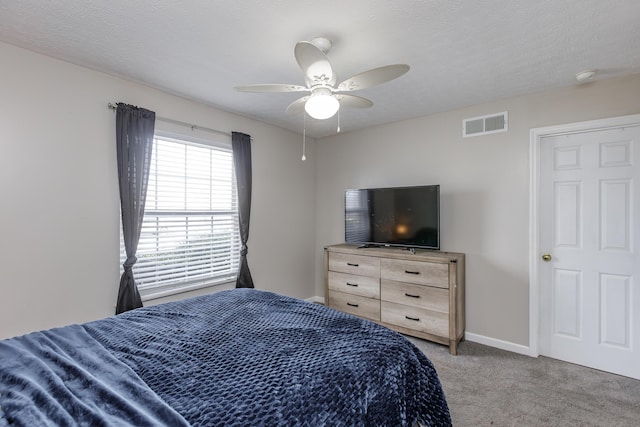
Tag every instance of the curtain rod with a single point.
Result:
(178, 122)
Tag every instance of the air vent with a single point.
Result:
(484, 125)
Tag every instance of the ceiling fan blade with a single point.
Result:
(314, 64)
(297, 106)
(353, 101)
(373, 77)
(271, 88)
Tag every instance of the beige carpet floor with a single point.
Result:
(485, 386)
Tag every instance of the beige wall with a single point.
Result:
(484, 188)
(59, 215)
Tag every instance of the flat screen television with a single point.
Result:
(399, 216)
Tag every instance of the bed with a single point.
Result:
(241, 357)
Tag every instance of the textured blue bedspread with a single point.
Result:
(242, 357)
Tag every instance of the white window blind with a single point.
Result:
(190, 234)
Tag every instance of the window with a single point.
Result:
(190, 236)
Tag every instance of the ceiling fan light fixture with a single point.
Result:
(327, 96)
(322, 104)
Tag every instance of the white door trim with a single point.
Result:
(536, 136)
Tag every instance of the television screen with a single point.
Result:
(401, 216)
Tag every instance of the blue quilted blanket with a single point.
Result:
(235, 358)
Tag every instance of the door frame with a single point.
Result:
(536, 135)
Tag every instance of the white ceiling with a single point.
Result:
(460, 52)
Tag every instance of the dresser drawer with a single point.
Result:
(428, 297)
(356, 285)
(421, 273)
(354, 264)
(355, 304)
(419, 319)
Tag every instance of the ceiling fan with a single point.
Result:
(326, 96)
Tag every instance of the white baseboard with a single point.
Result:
(316, 299)
(494, 342)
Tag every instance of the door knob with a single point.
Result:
(546, 257)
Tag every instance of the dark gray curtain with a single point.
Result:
(241, 145)
(134, 140)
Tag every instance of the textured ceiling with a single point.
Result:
(461, 52)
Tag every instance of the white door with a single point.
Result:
(589, 271)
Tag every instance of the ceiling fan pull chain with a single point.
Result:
(304, 135)
(338, 129)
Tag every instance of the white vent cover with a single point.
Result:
(484, 125)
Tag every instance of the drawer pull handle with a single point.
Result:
(351, 264)
(412, 318)
(352, 305)
(412, 296)
(411, 272)
(355, 285)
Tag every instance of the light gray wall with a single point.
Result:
(484, 188)
(59, 216)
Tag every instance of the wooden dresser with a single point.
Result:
(419, 294)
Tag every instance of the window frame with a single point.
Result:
(151, 292)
